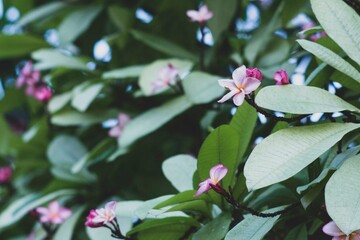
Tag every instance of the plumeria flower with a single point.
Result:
(28, 76)
(281, 77)
(216, 174)
(167, 76)
(5, 174)
(333, 230)
(117, 130)
(255, 73)
(241, 84)
(54, 214)
(42, 93)
(102, 216)
(200, 16)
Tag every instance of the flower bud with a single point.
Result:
(281, 77)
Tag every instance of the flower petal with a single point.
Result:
(238, 75)
(65, 213)
(110, 206)
(227, 84)
(332, 229)
(193, 15)
(217, 173)
(228, 95)
(42, 210)
(251, 84)
(239, 98)
(54, 206)
(204, 187)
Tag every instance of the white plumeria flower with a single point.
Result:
(239, 86)
(200, 16)
(105, 215)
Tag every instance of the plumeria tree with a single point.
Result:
(178, 120)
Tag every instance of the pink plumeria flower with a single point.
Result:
(42, 93)
(216, 174)
(102, 216)
(5, 174)
(54, 214)
(200, 16)
(167, 76)
(123, 120)
(333, 230)
(28, 76)
(239, 86)
(281, 77)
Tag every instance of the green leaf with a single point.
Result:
(223, 13)
(342, 196)
(331, 58)
(126, 72)
(121, 17)
(288, 151)
(186, 196)
(298, 233)
(143, 210)
(82, 100)
(13, 46)
(163, 45)
(214, 230)
(20, 207)
(152, 119)
(40, 13)
(244, 121)
(82, 19)
(49, 59)
(253, 227)
(151, 73)
(346, 81)
(59, 101)
(301, 100)
(201, 87)
(66, 229)
(74, 118)
(341, 23)
(179, 170)
(221, 146)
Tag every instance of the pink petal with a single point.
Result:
(239, 75)
(332, 229)
(239, 98)
(57, 220)
(204, 187)
(123, 119)
(115, 132)
(227, 84)
(251, 84)
(110, 206)
(217, 173)
(27, 69)
(42, 210)
(45, 219)
(54, 206)
(193, 15)
(65, 213)
(228, 95)
(203, 10)
(208, 16)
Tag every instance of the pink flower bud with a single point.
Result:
(89, 220)
(5, 174)
(281, 77)
(254, 73)
(42, 93)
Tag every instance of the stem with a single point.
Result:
(231, 200)
(251, 101)
(202, 47)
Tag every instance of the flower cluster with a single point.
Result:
(167, 76)
(216, 174)
(35, 87)
(54, 213)
(333, 230)
(123, 120)
(245, 81)
(200, 16)
(5, 174)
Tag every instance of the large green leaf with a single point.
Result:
(151, 72)
(223, 13)
(74, 118)
(341, 23)
(331, 58)
(163, 45)
(214, 230)
(179, 170)
(57, 102)
(342, 196)
(12, 46)
(286, 152)
(126, 72)
(253, 227)
(121, 17)
(40, 13)
(201, 87)
(20, 207)
(49, 59)
(221, 146)
(82, 19)
(152, 119)
(83, 99)
(301, 100)
(182, 197)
